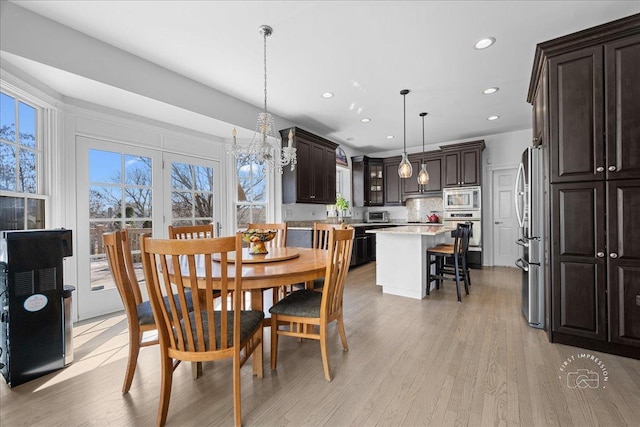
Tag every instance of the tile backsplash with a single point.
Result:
(419, 208)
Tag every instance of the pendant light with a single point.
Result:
(423, 175)
(404, 168)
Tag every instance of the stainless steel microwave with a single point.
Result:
(461, 198)
(377, 216)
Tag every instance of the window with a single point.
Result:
(251, 201)
(22, 204)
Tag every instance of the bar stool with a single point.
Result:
(437, 255)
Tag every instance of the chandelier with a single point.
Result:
(266, 145)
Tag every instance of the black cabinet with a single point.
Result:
(586, 97)
(594, 108)
(433, 163)
(392, 182)
(462, 164)
(314, 178)
(367, 177)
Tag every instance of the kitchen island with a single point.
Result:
(401, 260)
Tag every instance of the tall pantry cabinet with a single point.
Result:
(585, 89)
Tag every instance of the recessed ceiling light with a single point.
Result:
(493, 118)
(490, 90)
(389, 136)
(365, 120)
(327, 95)
(485, 43)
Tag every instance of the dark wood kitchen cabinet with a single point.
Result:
(433, 162)
(586, 96)
(392, 184)
(314, 178)
(462, 164)
(367, 179)
(594, 107)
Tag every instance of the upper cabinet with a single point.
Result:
(367, 175)
(392, 184)
(314, 178)
(433, 163)
(462, 164)
(594, 105)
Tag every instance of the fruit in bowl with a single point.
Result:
(257, 237)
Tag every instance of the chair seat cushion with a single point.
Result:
(145, 313)
(446, 250)
(250, 321)
(303, 303)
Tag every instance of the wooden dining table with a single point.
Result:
(280, 267)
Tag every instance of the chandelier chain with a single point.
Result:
(265, 33)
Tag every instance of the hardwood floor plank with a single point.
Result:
(428, 362)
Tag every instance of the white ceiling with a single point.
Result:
(364, 52)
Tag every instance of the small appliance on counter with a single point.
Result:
(376, 216)
(433, 218)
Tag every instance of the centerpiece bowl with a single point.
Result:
(257, 237)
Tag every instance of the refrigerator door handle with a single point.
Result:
(517, 194)
(522, 265)
(522, 242)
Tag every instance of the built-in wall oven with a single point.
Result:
(463, 204)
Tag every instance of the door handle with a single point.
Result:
(600, 169)
(600, 254)
(522, 243)
(612, 168)
(497, 222)
(613, 255)
(521, 265)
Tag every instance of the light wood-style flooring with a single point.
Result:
(410, 363)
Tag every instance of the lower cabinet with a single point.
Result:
(595, 264)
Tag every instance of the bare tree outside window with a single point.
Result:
(251, 202)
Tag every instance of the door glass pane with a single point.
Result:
(120, 197)
(27, 116)
(191, 194)
(104, 166)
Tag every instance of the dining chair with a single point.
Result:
(437, 256)
(139, 314)
(191, 231)
(204, 334)
(280, 241)
(307, 313)
(320, 240)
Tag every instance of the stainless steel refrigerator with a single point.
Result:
(529, 210)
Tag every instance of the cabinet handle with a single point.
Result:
(498, 222)
(312, 197)
(612, 168)
(600, 169)
(600, 254)
(613, 255)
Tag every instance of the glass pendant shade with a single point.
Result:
(404, 168)
(423, 175)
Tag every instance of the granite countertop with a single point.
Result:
(308, 225)
(424, 230)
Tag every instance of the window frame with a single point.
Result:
(44, 136)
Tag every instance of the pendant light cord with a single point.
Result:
(404, 143)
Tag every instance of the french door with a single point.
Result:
(125, 187)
